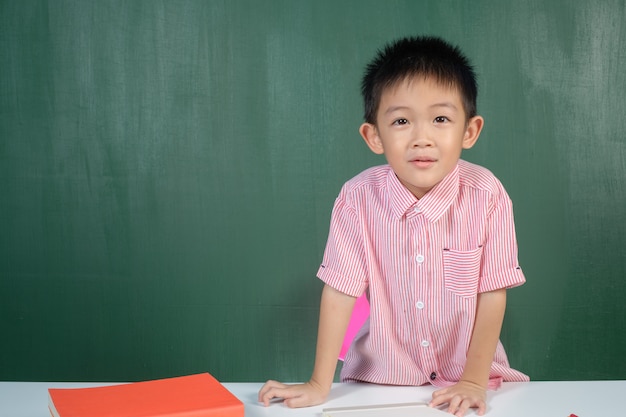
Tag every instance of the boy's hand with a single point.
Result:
(460, 397)
(295, 396)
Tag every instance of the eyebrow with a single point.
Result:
(445, 104)
(395, 108)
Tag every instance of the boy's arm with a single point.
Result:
(335, 311)
(489, 316)
(470, 391)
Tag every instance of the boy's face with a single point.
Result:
(421, 128)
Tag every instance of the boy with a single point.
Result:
(429, 237)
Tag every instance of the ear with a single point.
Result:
(370, 135)
(472, 132)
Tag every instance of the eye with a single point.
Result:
(441, 119)
(400, 122)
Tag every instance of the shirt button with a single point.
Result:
(425, 343)
(433, 376)
(419, 305)
(417, 209)
(419, 258)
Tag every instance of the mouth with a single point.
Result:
(423, 161)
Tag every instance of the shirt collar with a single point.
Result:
(432, 205)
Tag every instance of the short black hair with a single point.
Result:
(420, 56)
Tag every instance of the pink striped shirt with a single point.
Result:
(422, 263)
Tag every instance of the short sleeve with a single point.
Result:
(344, 265)
(500, 266)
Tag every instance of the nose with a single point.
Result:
(420, 137)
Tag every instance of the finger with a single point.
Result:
(482, 408)
(462, 409)
(275, 384)
(439, 397)
(453, 407)
(269, 385)
(436, 402)
(440, 392)
(284, 393)
(303, 399)
(271, 389)
(267, 396)
(264, 389)
(297, 401)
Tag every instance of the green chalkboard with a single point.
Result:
(168, 168)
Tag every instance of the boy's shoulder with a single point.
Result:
(366, 187)
(477, 176)
(373, 177)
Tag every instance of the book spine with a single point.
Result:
(224, 411)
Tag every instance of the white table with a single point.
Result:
(536, 399)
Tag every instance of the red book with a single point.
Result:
(198, 395)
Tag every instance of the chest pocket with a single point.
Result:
(461, 270)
